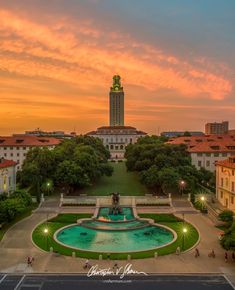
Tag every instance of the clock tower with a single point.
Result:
(116, 103)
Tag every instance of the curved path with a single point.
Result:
(16, 246)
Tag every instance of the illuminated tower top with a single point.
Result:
(116, 103)
(116, 84)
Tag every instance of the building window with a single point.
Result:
(199, 154)
(5, 154)
(11, 154)
(232, 199)
(226, 182)
(11, 148)
(17, 148)
(199, 163)
(207, 163)
(24, 148)
(232, 186)
(121, 147)
(116, 147)
(208, 154)
(222, 182)
(130, 140)
(221, 194)
(232, 172)
(5, 148)
(216, 154)
(224, 154)
(24, 154)
(18, 154)
(111, 147)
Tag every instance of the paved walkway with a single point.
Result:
(16, 246)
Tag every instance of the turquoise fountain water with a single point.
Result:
(115, 233)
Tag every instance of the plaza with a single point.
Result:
(17, 245)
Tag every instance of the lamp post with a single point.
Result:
(48, 187)
(46, 234)
(182, 186)
(203, 200)
(183, 241)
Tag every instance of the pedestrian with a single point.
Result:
(177, 251)
(211, 254)
(115, 266)
(87, 264)
(226, 257)
(233, 257)
(28, 261)
(197, 253)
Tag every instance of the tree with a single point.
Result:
(162, 165)
(228, 240)
(187, 134)
(73, 164)
(169, 178)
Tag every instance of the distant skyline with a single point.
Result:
(176, 59)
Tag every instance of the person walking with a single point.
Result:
(115, 266)
(197, 253)
(226, 257)
(87, 264)
(211, 254)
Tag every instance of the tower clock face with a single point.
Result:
(116, 89)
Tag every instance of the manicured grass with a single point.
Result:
(69, 218)
(171, 221)
(122, 181)
(16, 220)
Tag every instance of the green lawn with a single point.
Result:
(126, 183)
(60, 221)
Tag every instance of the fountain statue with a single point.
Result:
(115, 208)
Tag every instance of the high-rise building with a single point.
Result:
(116, 103)
(216, 128)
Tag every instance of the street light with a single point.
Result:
(46, 231)
(202, 198)
(182, 186)
(184, 233)
(48, 187)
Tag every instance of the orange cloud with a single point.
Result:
(77, 55)
(64, 69)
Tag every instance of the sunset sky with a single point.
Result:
(57, 58)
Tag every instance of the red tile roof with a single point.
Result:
(230, 163)
(6, 163)
(28, 141)
(207, 143)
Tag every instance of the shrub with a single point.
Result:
(226, 216)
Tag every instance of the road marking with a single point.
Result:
(21, 280)
(230, 283)
(3, 278)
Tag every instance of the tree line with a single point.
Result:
(163, 166)
(73, 164)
